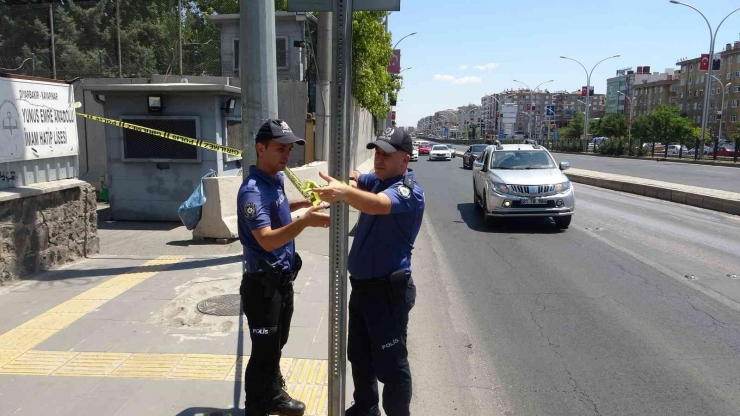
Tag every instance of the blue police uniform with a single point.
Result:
(383, 293)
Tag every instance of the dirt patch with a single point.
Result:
(182, 312)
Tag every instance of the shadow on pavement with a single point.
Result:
(474, 220)
(203, 242)
(105, 223)
(57, 275)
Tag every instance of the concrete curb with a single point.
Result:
(721, 201)
(657, 159)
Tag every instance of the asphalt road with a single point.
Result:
(522, 319)
(714, 177)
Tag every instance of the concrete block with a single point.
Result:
(665, 194)
(651, 191)
(612, 184)
(679, 197)
(714, 203)
(634, 188)
(695, 200)
(219, 219)
(732, 207)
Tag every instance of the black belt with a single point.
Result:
(396, 283)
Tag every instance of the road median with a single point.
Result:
(712, 199)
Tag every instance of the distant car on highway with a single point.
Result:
(440, 152)
(471, 153)
(415, 154)
(521, 180)
(424, 147)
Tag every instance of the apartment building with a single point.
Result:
(649, 95)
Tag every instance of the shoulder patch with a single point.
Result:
(404, 191)
(250, 211)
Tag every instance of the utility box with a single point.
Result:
(149, 177)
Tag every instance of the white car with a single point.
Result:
(440, 152)
(415, 154)
(675, 149)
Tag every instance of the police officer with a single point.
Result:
(391, 203)
(267, 233)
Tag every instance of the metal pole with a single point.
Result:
(53, 48)
(339, 225)
(707, 84)
(325, 77)
(179, 31)
(258, 72)
(33, 64)
(118, 36)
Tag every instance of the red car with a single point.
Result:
(424, 148)
(727, 151)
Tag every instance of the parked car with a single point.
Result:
(424, 147)
(659, 147)
(440, 152)
(726, 151)
(473, 152)
(522, 181)
(674, 149)
(708, 150)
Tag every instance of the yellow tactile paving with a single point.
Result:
(40, 363)
(35, 331)
(24, 338)
(203, 367)
(152, 366)
(7, 356)
(92, 364)
(49, 320)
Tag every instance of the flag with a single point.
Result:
(704, 62)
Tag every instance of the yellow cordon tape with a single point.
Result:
(306, 189)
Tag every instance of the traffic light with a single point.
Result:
(497, 114)
(529, 107)
(393, 115)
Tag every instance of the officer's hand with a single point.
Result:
(299, 204)
(334, 190)
(315, 218)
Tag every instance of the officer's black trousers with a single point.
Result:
(269, 326)
(376, 347)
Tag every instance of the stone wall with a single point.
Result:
(46, 229)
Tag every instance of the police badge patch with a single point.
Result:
(250, 211)
(404, 191)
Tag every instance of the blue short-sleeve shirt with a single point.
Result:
(383, 243)
(262, 203)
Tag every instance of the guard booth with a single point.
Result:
(149, 176)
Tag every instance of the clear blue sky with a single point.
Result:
(523, 39)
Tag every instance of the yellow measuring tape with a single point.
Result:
(305, 188)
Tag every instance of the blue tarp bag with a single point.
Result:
(191, 210)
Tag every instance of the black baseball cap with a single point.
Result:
(279, 131)
(393, 140)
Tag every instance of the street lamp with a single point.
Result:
(405, 69)
(707, 84)
(588, 87)
(410, 34)
(722, 116)
(629, 122)
(531, 103)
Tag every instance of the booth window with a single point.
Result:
(138, 146)
(233, 136)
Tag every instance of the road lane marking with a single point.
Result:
(37, 330)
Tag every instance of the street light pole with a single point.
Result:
(721, 119)
(399, 41)
(629, 125)
(531, 103)
(588, 88)
(707, 84)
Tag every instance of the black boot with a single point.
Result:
(281, 402)
(255, 409)
(356, 411)
(284, 405)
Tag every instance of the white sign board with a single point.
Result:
(37, 120)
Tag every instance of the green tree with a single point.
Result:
(642, 131)
(575, 127)
(614, 125)
(594, 127)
